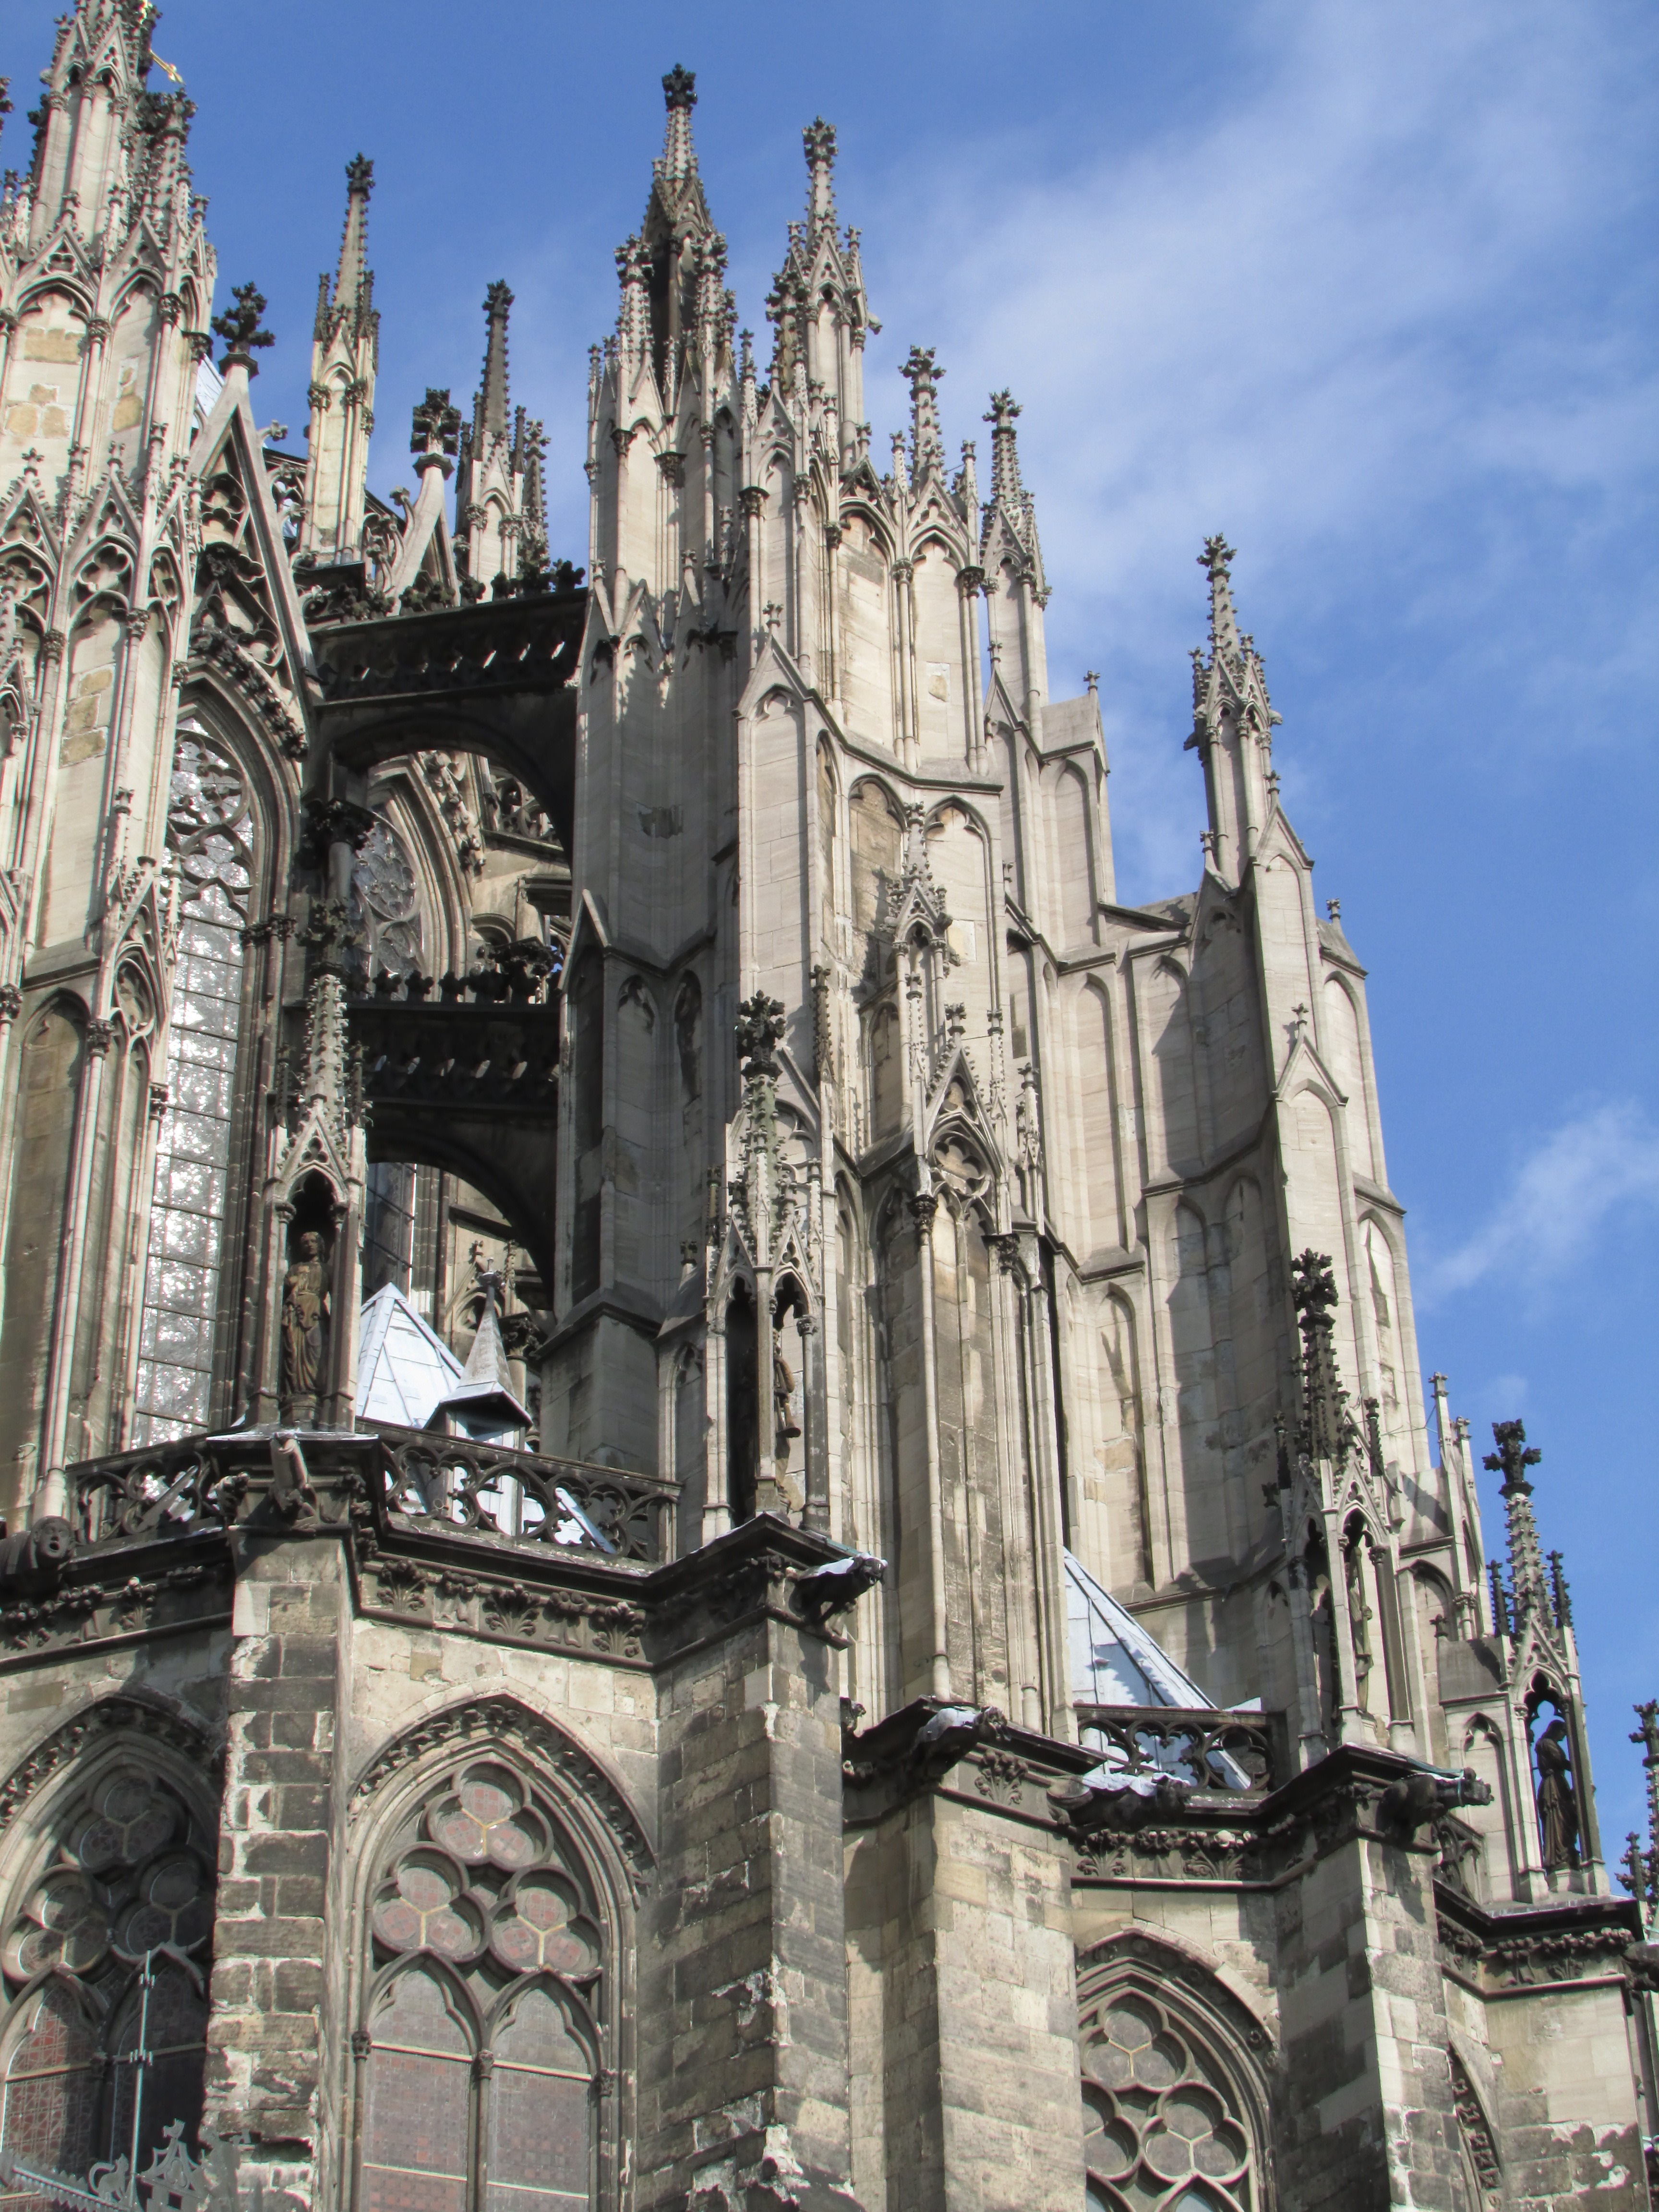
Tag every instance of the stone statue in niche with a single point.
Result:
(785, 1429)
(1558, 1803)
(305, 1317)
(1360, 1614)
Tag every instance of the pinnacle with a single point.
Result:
(1006, 486)
(349, 285)
(679, 158)
(819, 140)
(1216, 558)
(921, 372)
(492, 397)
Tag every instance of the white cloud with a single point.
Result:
(1333, 316)
(1602, 1161)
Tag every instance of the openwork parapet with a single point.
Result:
(1217, 1750)
(201, 1482)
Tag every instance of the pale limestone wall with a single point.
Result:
(963, 2000)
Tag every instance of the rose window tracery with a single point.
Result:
(126, 1872)
(1162, 2128)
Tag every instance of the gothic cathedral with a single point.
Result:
(715, 1492)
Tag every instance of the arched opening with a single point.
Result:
(742, 1404)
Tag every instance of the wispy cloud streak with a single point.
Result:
(1600, 1163)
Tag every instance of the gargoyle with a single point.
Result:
(948, 1735)
(32, 1562)
(1125, 1801)
(834, 1587)
(1415, 1799)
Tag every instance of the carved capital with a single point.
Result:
(362, 2043)
(970, 582)
(98, 329)
(923, 1206)
(159, 1099)
(753, 500)
(52, 647)
(100, 1036)
(170, 306)
(11, 1002)
(1006, 1248)
(622, 440)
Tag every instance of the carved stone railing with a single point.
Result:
(485, 1489)
(165, 1489)
(1235, 1752)
(449, 1483)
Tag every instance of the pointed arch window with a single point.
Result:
(121, 1886)
(481, 2044)
(210, 834)
(1165, 2125)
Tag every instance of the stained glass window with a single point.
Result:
(1164, 2129)
(210, 832)
(125, 1871)
(481, 2032)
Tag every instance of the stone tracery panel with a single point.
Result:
(481, 2018)
(124, 1869)
(1165, 2129)
(210, 834)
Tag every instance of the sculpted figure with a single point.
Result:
(1557, 1805)
(305, 1320)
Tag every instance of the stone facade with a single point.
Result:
(717, 1486)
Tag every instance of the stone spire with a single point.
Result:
(1008, 537)
(819, 139)
(490, 409)
(487, 1361)
(1006, 489)
(353, 282)
(1512, 1458)
(345, 352)
(679, 156)
(1215, 560)
(921, 372)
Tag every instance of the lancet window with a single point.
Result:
(210, 834)
(480, 2050)
(1164, 2123)
(106, 1952)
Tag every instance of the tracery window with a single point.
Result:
(125, 1871)
(481, 2069)
(1163, 2126)
(386, 903)
(210, 834)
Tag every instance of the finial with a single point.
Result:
(921, 372)
(1512, 1458)
(239, 326)
(819, 140)
(1006, 490)
(1091, 679)
(1334, 909)
(436, 426)
(360, 176)
(678, 160)
(1216, 559)
(491, 411)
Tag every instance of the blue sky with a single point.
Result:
(1370, 287)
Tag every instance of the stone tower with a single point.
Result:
(715, 1492)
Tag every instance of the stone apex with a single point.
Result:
(360, 176)
(679, 88)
